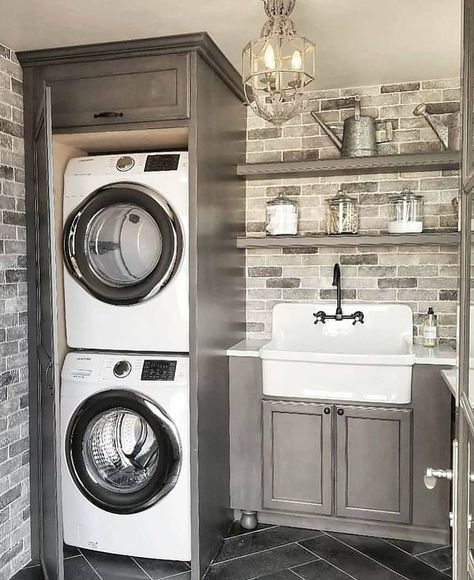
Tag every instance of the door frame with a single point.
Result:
(464, 421)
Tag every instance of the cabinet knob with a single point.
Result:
(340, 412)
(327, 410)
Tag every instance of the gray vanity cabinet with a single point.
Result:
(297, 457)
(129, 90)
(373, 465)
(344, 467)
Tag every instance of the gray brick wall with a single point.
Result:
(418, 276)
(14, 442)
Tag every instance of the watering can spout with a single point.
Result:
(439, 128)
(329, 132)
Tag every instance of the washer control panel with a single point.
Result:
(158, 370)
(162, 162)
(122, 369)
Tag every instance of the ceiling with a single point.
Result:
(359, 42)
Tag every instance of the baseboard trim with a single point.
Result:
(361, 528)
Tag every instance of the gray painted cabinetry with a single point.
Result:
(141, 89)
(373, 465)
(339, 466)
(297, 457)
(153, 87)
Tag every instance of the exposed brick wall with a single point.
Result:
(14, 444)
(418, 276)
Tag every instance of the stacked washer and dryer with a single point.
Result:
(125, 384)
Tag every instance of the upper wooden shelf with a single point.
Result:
(353, 165)
(316, 240)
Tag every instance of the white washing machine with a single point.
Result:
(126, 252)
(126, 454)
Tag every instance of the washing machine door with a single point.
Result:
(123, 451)
(123, 244)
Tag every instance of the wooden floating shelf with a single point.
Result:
(353, 165)
(423, 239)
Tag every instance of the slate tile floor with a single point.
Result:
(275, 553)
(89, 565)
(278, 553)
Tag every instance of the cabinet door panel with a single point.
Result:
(297, 457)
(129, 90)
(45, 380)
(373, 463)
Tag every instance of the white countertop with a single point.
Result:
(248, 347)
(440, 355)
(443, 356)
(450, 377)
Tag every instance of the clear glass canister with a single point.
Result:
(406, 213)
(342, 215)
(282, 217)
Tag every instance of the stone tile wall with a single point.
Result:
(419, 276)
(14, 442)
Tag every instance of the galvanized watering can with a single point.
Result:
(360, 133)
(449, 134)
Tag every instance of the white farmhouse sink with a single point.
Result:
(370, 362)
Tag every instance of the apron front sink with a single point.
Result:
(339, 360)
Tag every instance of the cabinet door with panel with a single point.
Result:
(127, 90)
(297, 457)
(373, 465)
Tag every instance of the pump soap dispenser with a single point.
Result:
(430, 329)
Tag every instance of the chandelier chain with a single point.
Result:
(279, 22)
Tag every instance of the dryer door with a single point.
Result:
(123, 244)
(123, 451)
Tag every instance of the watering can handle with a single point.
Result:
(389, 129)
(357, 111)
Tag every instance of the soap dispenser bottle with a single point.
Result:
(430, 328)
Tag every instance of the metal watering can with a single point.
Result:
(360, 133)
(449, 134)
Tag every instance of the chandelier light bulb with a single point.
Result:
(270, 62)
(297, 61)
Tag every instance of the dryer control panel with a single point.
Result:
(158, 370)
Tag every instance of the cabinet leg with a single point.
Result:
(249, 520)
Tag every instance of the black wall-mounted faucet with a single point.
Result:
(321, 316)
(336, 281)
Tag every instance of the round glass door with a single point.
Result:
(122, 244)
(123, 451)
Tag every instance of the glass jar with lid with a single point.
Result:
(406, 213)
(342, 215)
(282, 217)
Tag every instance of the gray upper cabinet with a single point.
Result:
(373, 463)
(127, 90)
(297, 457)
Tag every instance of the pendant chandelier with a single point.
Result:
(278, 66)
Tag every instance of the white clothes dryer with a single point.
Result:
(126, 454)
(126, 280)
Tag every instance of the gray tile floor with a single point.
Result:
(275, 553)
(89, 565)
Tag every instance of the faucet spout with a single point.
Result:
(321, 316)
(336, 281)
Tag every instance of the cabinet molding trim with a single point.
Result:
(200, 43)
